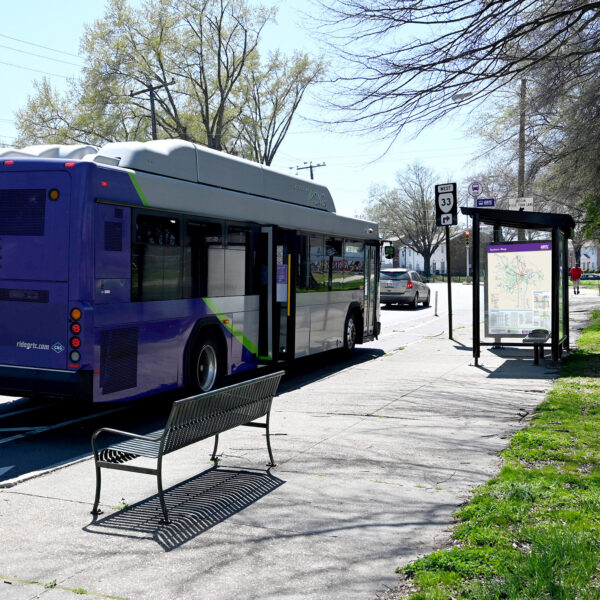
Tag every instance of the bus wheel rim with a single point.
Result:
(206, 368)
(350, 333)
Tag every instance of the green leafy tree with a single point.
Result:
(273, 96)
(201, 55)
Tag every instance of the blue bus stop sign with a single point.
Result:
(486, 202)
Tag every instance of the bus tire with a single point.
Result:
(206, 364)
(350, 331)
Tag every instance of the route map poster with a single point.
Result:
(518, 288)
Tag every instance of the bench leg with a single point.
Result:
(95, 510)
(214, 457)
(161, 494)
(272, 462)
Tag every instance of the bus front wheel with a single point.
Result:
(205, 365)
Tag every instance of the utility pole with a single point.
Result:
(151, 89)
(521, 174)
(311, 167)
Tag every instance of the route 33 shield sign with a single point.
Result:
(445, 204)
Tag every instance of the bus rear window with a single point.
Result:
(392, 276)
(22, 212)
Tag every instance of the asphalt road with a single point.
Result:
(37, 435)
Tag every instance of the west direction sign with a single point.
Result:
(445, 204)
(486, 202)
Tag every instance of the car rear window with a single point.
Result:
(394, 276)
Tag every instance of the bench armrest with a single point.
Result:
(123, 434)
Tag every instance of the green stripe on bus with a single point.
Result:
(138, 189)
(239, 336)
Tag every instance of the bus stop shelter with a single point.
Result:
(560, 229)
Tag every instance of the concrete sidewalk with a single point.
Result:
(372, 462)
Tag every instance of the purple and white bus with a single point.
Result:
(138, 268)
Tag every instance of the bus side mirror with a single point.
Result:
(389, 251)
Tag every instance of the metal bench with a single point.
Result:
(190, 420)
(537, 337)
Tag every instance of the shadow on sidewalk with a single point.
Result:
(195, 506)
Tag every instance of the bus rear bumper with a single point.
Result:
(31, 381)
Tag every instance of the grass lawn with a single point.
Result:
(533, 531)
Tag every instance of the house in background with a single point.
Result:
(409, 259)
(590, 256)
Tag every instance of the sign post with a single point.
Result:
(446, 215)
(475, 190)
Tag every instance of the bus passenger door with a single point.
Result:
(371, 295)
(277, 297)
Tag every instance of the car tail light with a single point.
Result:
(409, 285)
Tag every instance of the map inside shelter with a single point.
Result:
(519, 284)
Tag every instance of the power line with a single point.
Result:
(34, 70)
(38, 45)
(65, 62)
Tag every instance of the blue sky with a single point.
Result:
(353, 163)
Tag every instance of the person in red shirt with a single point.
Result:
(575, 273)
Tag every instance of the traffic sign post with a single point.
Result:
(446, 207)
(446, 215)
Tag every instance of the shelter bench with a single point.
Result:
(190, 420)
(538, 337)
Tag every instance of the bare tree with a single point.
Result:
(407, 212)
(413, 62)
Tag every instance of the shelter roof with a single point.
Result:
(522, 219)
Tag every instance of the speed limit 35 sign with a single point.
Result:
(445, 204)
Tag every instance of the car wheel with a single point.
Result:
(415, 301)
(350, 332)
(205, 364)
(427, 301)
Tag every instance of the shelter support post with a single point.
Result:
(476, 289)
(565, 290)
(555, 316)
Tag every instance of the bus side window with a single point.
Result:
(354, 265)
(303, 274)
(156, 259)
(319, 281)
(204, 261)
(333, 252)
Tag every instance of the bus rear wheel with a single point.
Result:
(350, 331)
(205, 364)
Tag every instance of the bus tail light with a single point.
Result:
(9, 163)
(409, 285)
(70, 165)
(75, 342)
